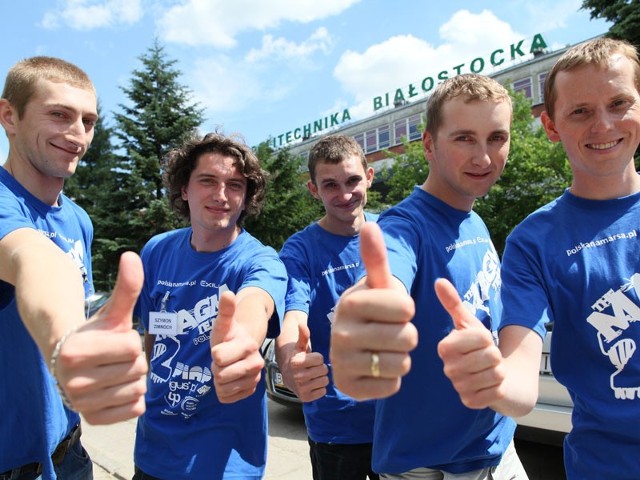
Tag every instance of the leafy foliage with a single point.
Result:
(624, 14)
(121, 187)
(288, 206)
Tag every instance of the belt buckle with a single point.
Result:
(61, 450)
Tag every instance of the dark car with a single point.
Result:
(276, 389)
(95, 302)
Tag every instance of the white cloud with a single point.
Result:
(217, 22)
(405, 59)
(283, 49)
(88, 14)
(223, 84)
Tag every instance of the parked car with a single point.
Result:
(95, 302)
(275, 387)
(548, 422)
(98, 299)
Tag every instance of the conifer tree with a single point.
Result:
(159, 116)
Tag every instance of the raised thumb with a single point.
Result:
(450, 300)
(118, 311)
(373, 252)
(224, 321)
(303, 338)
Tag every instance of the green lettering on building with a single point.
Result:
(399, 97)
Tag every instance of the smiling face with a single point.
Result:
(216, 195)
(469, 151)
(52, 135)
(342, 189)
(597, 119)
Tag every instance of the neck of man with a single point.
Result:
(45, 188)
(208, 241)
(338, 227)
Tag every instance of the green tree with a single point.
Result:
(288, 206)
(407, 170)
(624, 14)
(94, 188)
(159, 116)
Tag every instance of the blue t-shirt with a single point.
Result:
(186, 432)
(321, 266)
(425, 424)
(36, 420)
(576, 262)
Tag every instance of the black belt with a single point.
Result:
(57, 457)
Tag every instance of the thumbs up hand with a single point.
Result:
(100, 367)
(373, 334)
(236, 360)
(472, 361)
(303, 371)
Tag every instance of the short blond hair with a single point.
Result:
(22, 80)
(596, 52)
(469, 86)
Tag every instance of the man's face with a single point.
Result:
(597, 119)
(342, 189)
(216, 193)
(55, 130)
(469, 151)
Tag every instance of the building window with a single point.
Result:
(371, 141)
(360, 139)
(541, 79)
(399, 131)
(414, 133)
(523, 86)
(384, 137)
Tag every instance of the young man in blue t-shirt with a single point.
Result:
(209, 293)
(322, 261)
(422, 429)
(55, 363)
(574, 262)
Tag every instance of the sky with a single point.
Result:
(261, 68)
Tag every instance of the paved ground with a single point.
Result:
(111, 447)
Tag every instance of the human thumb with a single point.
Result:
(303, 338)
(450, 300)
(373, 252)
(118, 311)
(222, 326)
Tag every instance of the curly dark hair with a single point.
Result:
(181, 162)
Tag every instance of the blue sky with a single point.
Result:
(261, 68)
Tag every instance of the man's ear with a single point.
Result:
(549, 127)
(8, 115)
(428, 145)
(313, 188)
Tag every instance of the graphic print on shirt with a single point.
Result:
(616, 317)
(477, 297)
(186, 383)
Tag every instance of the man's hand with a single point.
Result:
(100, 367)
(373, 319)
(303, 371)
(472, 361)
(236, 360)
